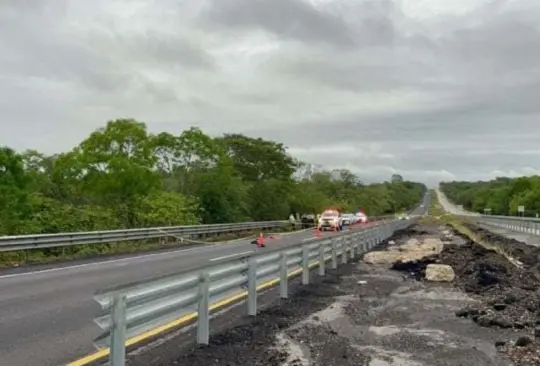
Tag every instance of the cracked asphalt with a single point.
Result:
(358, 315)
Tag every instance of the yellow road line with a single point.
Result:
(186, 318)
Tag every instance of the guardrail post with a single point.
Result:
(334, 254)
(283, 277)
(367, 240)
(362, 241)
(353, 246)
(344, 246)
(373, 236)
(203, 322)
(118, 331)
(305, 265)
(252, 286)
(322, 263)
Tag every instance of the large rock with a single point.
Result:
(412, 242)
(434, 245)
(414, 256)
(447, 235)
(440, 273)
(413, 250)
(430, 246)
(382, 257)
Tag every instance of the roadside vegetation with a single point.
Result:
(123, 176)
(501, 195)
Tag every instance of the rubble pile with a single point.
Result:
(510, 295)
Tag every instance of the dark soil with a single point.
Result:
(526, 254)
(254, 342)
(510, 295)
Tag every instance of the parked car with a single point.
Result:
(308, 220)
(361, 217)
(348, 219)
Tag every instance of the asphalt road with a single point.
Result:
(46, 313)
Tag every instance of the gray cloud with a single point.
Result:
(433, 90)
(295, 19)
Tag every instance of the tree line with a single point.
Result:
(123, 176)
(502, 195)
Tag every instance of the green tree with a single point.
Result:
(502, 195)
(123, 176)
(117, 167)
(13, 194)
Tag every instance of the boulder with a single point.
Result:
(429, 246)
(414, 256)
(413, 250)
(434, 245)
(412, 241)
(382, 257)
(440, 273)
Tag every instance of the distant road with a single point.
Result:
(46, 313)
(450, 207)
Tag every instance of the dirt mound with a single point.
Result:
(512, 295)
(512, 298)
(528, 255)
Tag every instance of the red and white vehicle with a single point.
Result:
(330, 219)
(361, 217)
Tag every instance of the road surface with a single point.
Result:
(46, 312)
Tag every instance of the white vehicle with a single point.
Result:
(348, 219)
(330, 219)
(361, 217)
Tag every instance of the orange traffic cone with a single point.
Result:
(260, 241)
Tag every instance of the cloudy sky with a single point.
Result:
(431, 89)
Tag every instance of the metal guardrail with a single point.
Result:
(41, 241)
(133, 312)
(526, 225)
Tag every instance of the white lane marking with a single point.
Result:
(202, 248)
(109, 261)
(309, 239)
(231, 256)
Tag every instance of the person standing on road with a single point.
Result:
(292, 220)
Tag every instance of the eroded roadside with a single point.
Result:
(370, 314)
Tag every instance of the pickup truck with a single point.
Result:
(330, 219)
